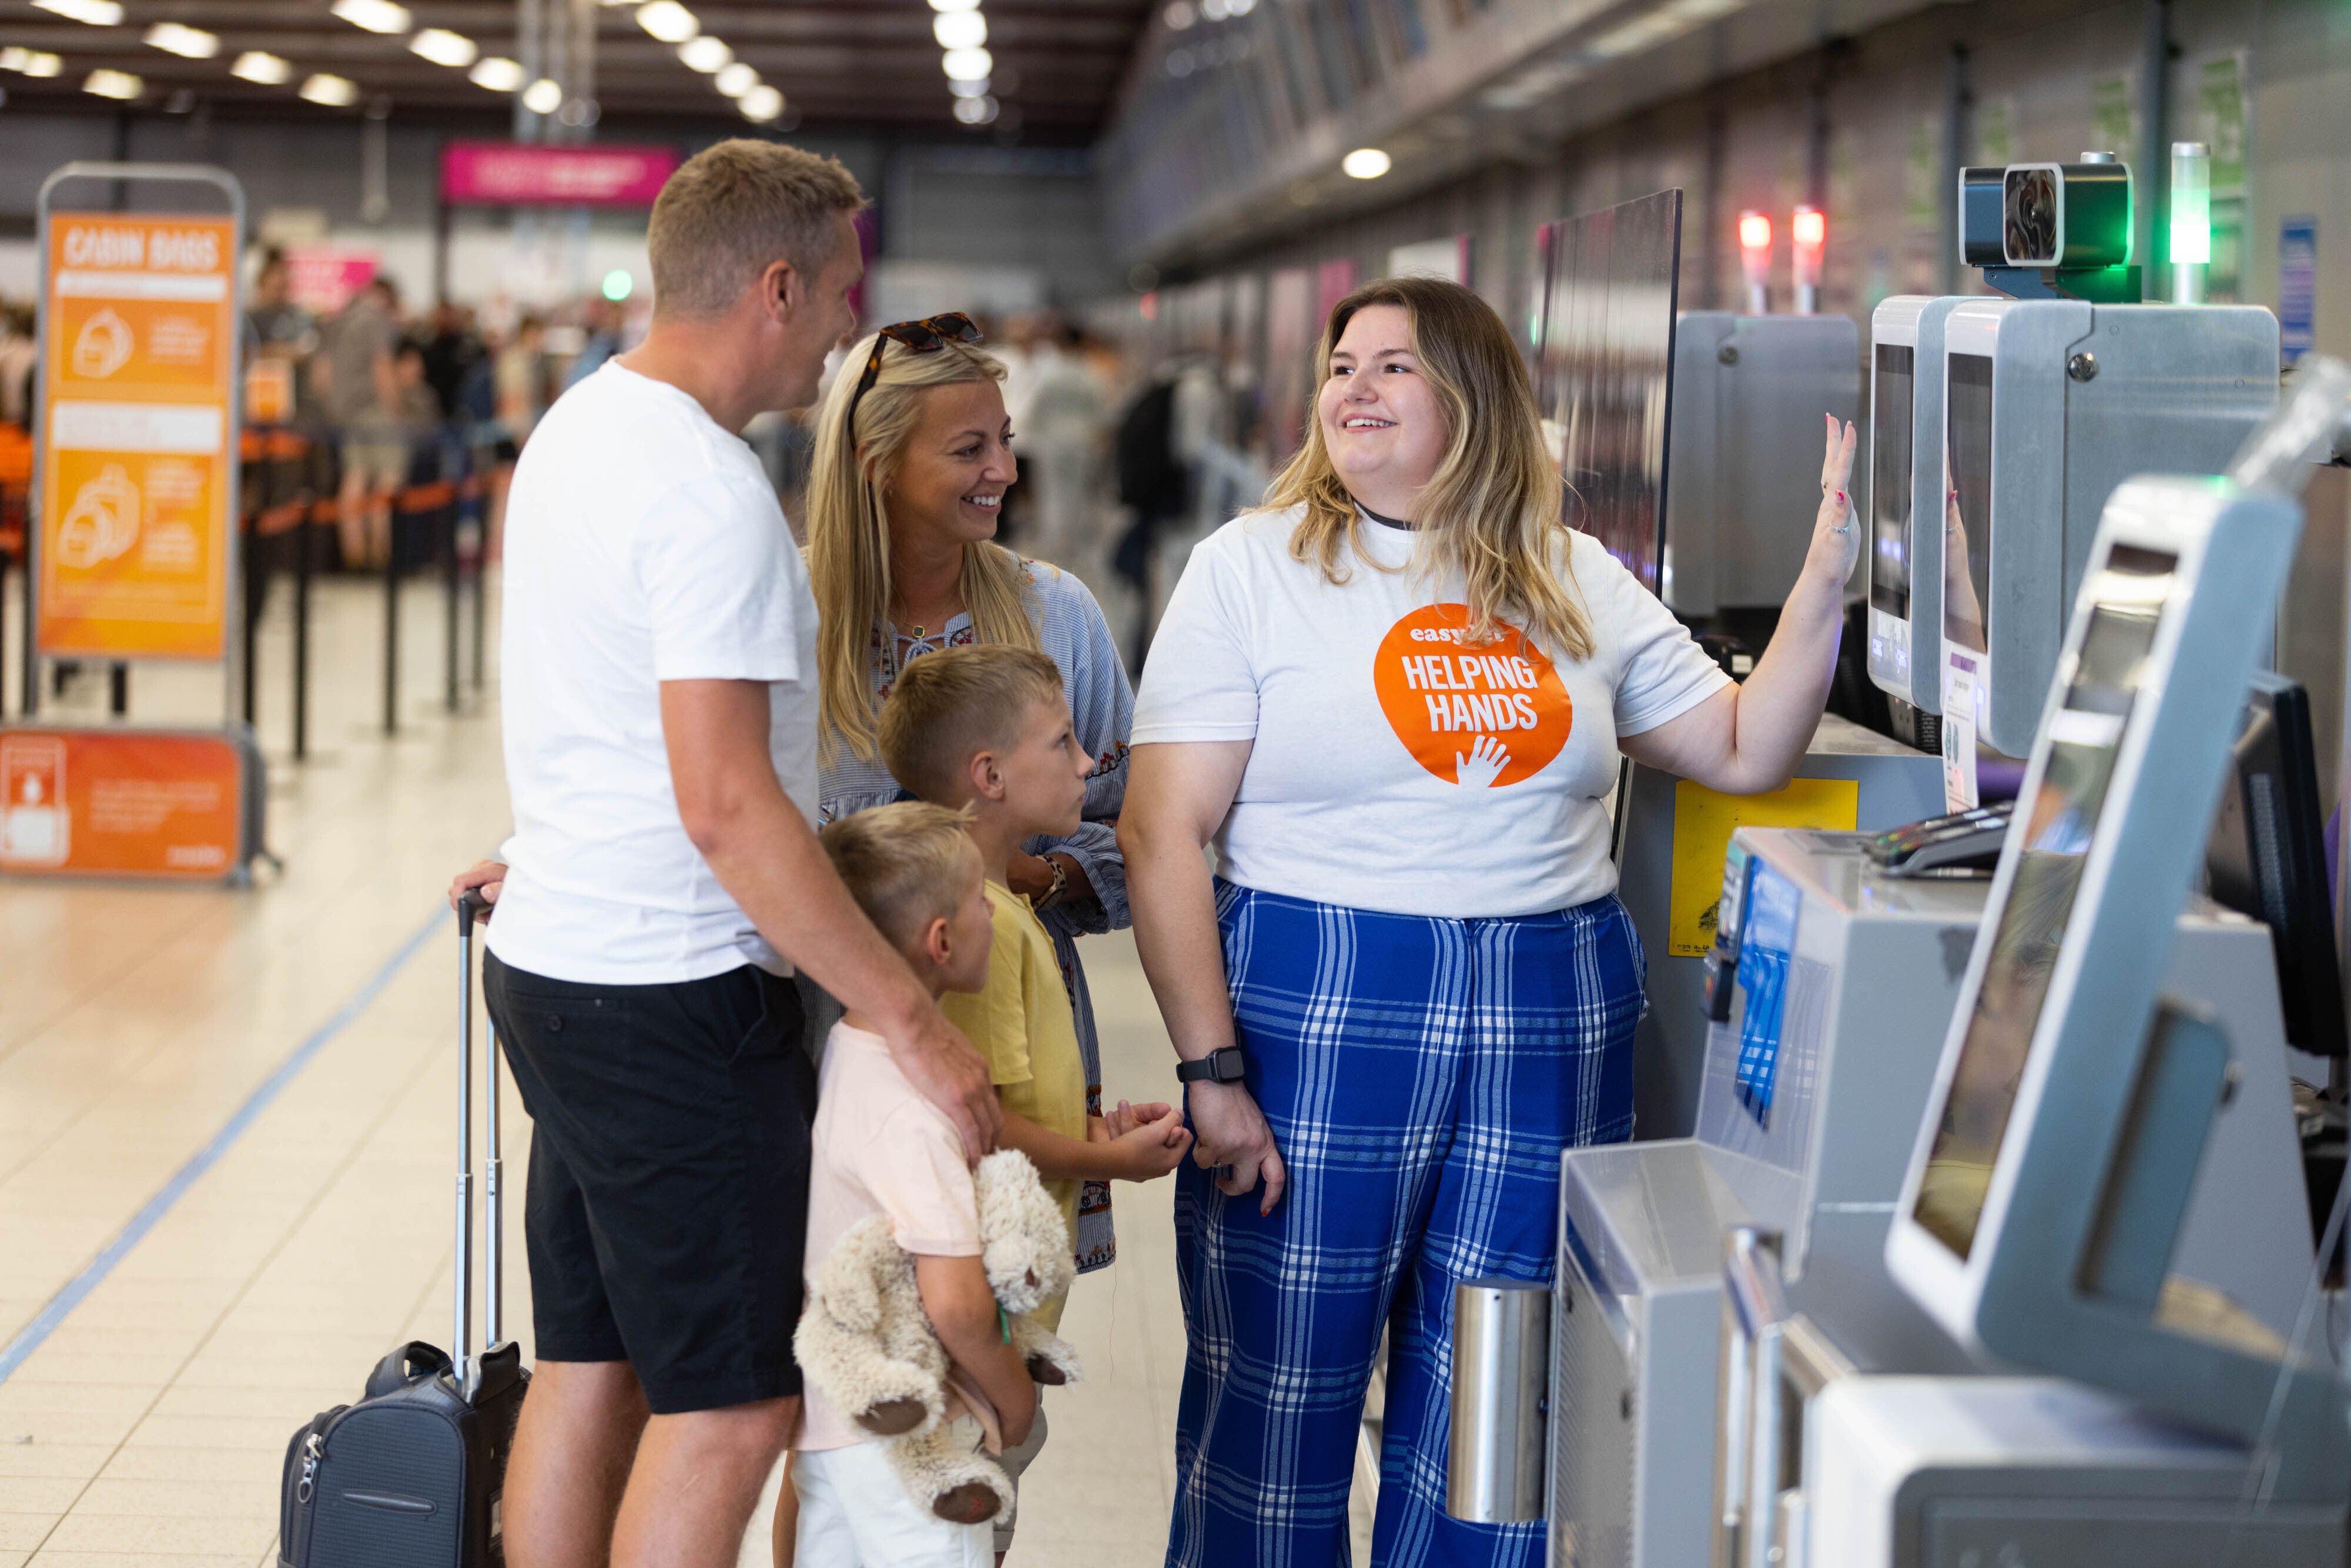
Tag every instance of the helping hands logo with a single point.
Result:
(1482, 717)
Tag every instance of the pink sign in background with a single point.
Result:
(323, 279)
(509, 173)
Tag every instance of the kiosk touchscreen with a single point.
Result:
(2050, 1180)
(2049, 404)
(1906, 499)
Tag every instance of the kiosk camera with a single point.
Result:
(1906, 500)
(1742, 484)
(2050, 1180)
(2049, 404)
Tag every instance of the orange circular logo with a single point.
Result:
(1477, 715)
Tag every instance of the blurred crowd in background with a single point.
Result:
(388, 401)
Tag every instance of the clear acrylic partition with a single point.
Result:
(1605, 370)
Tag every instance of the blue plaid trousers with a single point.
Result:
(1420, 1077)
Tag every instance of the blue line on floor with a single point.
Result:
(61, 1305)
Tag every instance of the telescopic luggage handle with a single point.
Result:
(473, 907)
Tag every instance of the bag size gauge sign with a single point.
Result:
(137, 436)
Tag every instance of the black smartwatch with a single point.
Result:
(1223, 1066)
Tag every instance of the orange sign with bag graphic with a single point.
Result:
(135, 528)
(123, 802)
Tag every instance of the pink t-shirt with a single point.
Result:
(880, 1148)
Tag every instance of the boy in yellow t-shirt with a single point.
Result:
(986, 729)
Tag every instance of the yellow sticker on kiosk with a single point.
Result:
(1703, 823)
(135, 433)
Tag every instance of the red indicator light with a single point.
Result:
(1810, 227)
(1754, 232)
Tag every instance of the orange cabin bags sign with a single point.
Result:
(135, 530)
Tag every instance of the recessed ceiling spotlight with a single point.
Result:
(955, 4)
(975, 110)
(269, 70)
(706, 54)
(959, 29)
(335, 92)
(762, 103)
(1180, 14)
(543, 96)
(113, 84)
(374, 15)
(497, 73)
(977, 88)
(96, 13)
(1364, 163)
(188, 43)
(668, 21)
(966, 64)
(735, 80)
(444, 48)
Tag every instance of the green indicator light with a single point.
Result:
(2191, 204)
(618, 283)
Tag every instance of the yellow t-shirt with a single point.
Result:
(1021, 1023)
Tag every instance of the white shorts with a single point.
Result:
(855, 1513)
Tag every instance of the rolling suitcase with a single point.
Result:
(412, 1475)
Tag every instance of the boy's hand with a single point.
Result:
(1149, 1150)
(1128, 1117)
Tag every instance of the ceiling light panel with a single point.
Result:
(269, 70)
(959, 29)
(497, 73)
(373, 15)
(976, 88)
(955, 4)
(444, 48)
(966, 64)
(736, 79)
(706, 54)
(543, 97)
(762, 103)
(113, 84)
(96, 13)
(335, 92)
(189, 43)
(668, 21)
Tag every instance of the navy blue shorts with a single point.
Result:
(669, 1172)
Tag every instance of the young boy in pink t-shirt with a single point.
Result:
(880, 1148)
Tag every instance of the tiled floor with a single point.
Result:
(149, 1427)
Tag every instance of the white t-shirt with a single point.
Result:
(644, 544)
(1392, 770)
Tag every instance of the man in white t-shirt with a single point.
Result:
(660, 701)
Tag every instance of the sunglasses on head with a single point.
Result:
(926, 336)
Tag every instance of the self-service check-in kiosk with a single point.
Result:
(1742, 453)
(2049, 404)
(2048, 1218)
(1845, 980)
(1905, 506)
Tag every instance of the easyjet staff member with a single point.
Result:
(1393, 699)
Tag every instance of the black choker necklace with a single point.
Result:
(1387, 522)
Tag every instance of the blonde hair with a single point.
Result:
(1492, 510)
(951, 704)
(849, 529)
(906, 864)
(731, 210)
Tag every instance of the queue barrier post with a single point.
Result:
(302, 547)
(392, 628)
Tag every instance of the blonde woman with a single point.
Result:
(1394, 699)
(914, 454)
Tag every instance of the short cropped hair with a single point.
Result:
(732, 209)
(906, 864)
(949, 706)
